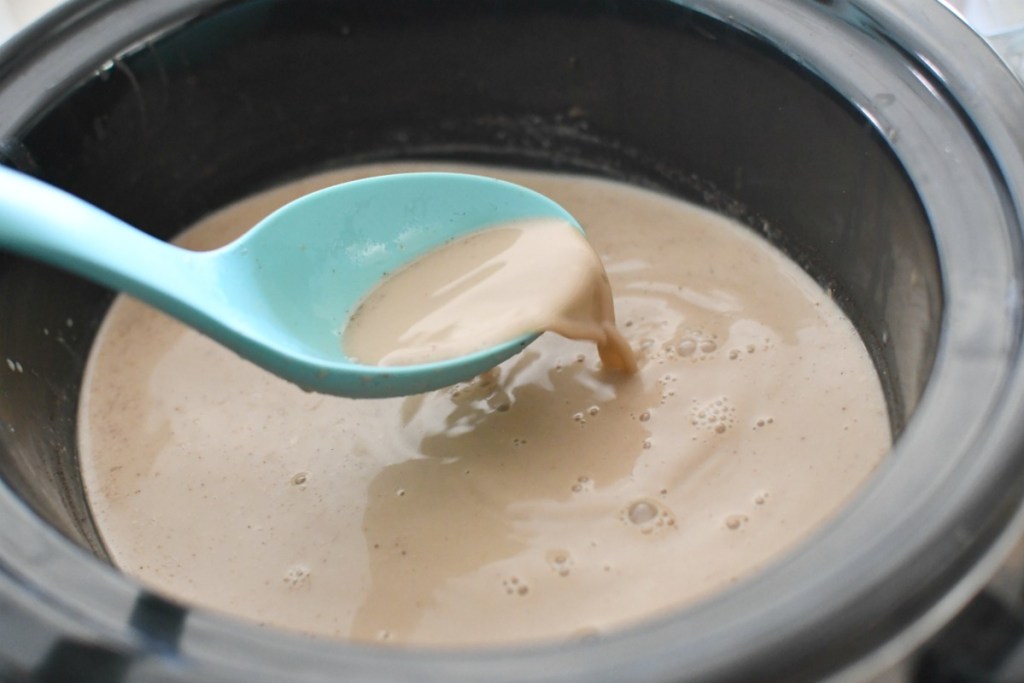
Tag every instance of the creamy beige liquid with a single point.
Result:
(547, 499)
(490, 287)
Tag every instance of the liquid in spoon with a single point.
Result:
(487, 288)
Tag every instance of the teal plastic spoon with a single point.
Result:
(281, 294)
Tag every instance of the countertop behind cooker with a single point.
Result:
(15, 14)
(999, 613)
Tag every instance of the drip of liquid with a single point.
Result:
(487, 288)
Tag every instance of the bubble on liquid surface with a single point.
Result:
(642, 512)
(300, 478)
(697, 345)
(735, 521)
(717, 415)
(687, 347)
(583, 483)
(515, 586)
(560, 562)
(296, 575)
(648, 516)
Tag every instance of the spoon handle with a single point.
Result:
(47, 224)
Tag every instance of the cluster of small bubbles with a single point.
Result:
(296, 575)
(763, 422)
(518, 441)
(560, 562)
(735, 521)
(583, 483)
(580, 417)
(696, 345)
(761, 497)
(648, 516)
(665, 381)
(717, 415)
(513, 586)
(735, 353)
(300, 478)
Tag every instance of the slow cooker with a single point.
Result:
(879, 144)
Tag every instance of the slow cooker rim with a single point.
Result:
(109, 580)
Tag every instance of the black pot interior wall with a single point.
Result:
(249, 94)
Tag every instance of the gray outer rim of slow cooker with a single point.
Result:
(979, 349)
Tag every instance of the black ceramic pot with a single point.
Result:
(878, 143)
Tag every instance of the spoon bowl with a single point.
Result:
(281, 294)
